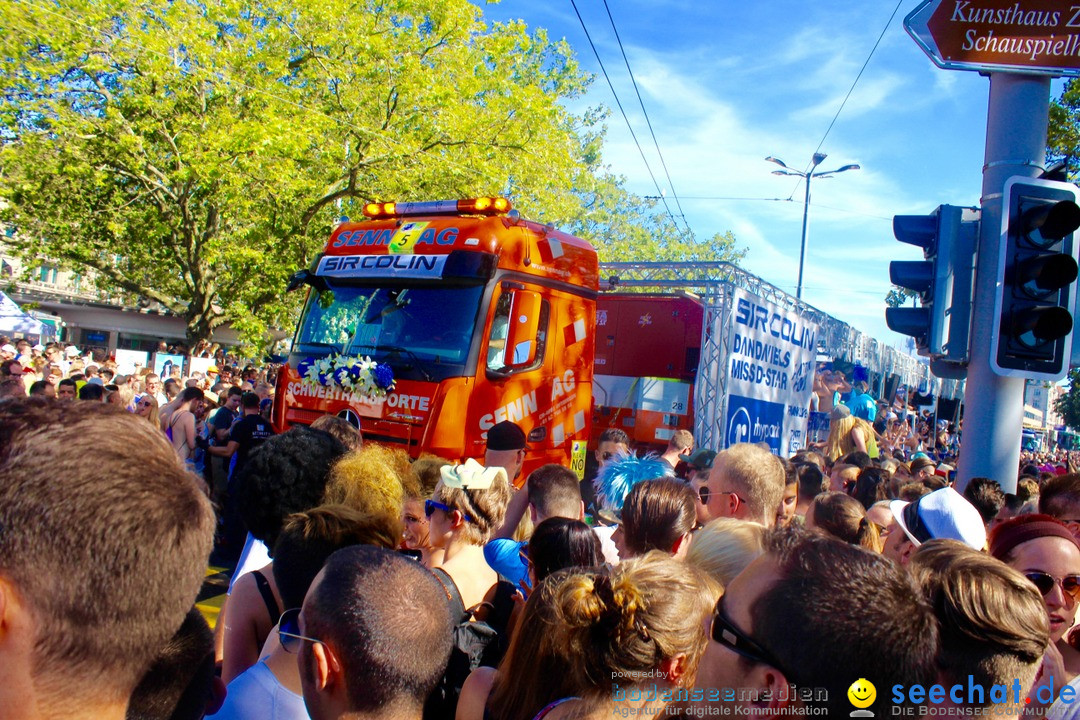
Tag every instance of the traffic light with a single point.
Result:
(1036, 275)
(943, 282)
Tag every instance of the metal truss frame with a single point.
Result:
(714, 282)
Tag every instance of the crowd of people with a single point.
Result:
(368, 584)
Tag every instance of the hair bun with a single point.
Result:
(581, 604)
(629, 602)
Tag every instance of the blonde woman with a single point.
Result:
(147, 407)
(848, 434)
(628, 632)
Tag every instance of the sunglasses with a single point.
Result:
(289, 631)
(1045, 582)
(703, 493)
(724, 632)
(430, 506)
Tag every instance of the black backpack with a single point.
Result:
(476, 643)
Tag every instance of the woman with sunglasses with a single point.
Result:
(463, 513)
(420, 484)
(147, 407)
(1047, 554)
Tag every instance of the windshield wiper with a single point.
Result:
(316, 343)
(420, 365)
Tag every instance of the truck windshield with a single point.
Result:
(424, 333)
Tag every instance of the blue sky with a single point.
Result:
(728, 83)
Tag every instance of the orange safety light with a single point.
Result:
(483, 206)
(471, 206)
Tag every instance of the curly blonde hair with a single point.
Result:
(368, 480)
(623, 622)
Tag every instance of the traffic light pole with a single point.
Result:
(994, 405)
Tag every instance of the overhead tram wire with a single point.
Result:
(851, 89)
(627, 119)
(648, 122)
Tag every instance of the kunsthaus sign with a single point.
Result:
(1023, 36)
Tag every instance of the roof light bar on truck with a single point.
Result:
(471, 206)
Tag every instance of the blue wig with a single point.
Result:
(618, 476)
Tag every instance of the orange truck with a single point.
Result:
(429, 322)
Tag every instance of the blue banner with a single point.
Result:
(751, 420)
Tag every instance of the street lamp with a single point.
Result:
(818, 158)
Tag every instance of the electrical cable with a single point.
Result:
(627, 119)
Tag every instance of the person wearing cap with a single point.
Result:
(506, 449)
(681, 443)
(941, 515)
(1048, 555)
(861, 403)
(7, 352)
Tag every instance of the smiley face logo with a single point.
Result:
(862, 693)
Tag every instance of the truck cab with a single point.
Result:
(481, 317)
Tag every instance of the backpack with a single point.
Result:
(475, 643)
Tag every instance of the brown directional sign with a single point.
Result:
(1023, 36)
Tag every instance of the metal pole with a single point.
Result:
(802, 249)
(994, 405)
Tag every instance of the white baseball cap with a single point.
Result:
(941, 515)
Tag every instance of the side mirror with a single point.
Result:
(521, 334)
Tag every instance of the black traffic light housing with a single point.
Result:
(1037, 271)
(943, 283)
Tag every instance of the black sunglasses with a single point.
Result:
(1045, 583)
(289, 631)
(724, 632)
(703, 493)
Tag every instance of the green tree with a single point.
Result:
(898, 296)
(197, 153)
(1068, 405)
(1063, 133)
(626, 227)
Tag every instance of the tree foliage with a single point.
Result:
(1063, 134)
(197, 154)
(1068, 405)
(898, 296)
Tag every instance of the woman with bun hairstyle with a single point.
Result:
(843, 517)
(628, 631)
